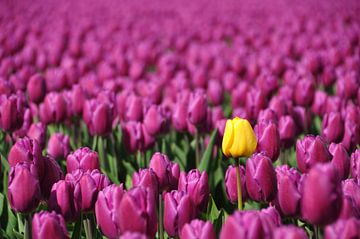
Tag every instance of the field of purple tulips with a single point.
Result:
(180, 119)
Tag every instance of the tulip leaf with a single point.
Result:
(2, 201)
(206, 158)
(212, 210)
(17, 234)
(180, 154)
(218, 222)
(128, 181)
(11, 221)
(77, 229)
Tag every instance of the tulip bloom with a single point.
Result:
(52, 174)
(289, 232)
(239, 138)
(37, 131)
(355, 164)
(49, 225)
(231, 183)
(58, 146)
(349, 228)
(333, 127)
(98, 117)
(82, 158)
(268, 137)
(197, 229)
(11, 113)
(340, 160)
(147, 179)
(36, 88)
(178, 210)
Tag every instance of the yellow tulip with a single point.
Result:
(239, 138)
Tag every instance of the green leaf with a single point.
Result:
(179, 153)
(128, 181)
(17, 235)
(212, 210)
(2, 203)
(206, 158)
(77, 229)
(11, 221)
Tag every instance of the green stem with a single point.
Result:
(238, 184)
(88, 226)
(317, 232)
(27, 227)
(197, 150)
(161, 219)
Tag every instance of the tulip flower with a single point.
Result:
(355, 164)
(23, 188)
(36, 88)
(53, 108)
(321, 196)
(134, 106)
(268, 138)
(310, 151)
(136, 212)
(11, 113)
(62, 200)
(215, 92)
(166, 171)
(37, 131)
(287, 130)
(351, 134)
(133, 235)
(333, 127)
(27, 150)
(58, 146)
(289, 194)
(255, 102)
(106, 210)
(154, 121)
(52, 174)
(82, 158)
(268, 115)
(197, 186)
(289, 232)
(178, 210)
(319, 104)
(340, 160)
(49, 224)
(179, 116)
(231, 183)
(260, 178)
(349, 228)
(197, 229)
(147, 179)
(351, 199)
(98, 117)
(197, 109)
(304, 93)
(133, 136)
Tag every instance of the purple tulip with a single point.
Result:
(351, 199)
(333, 127)
(231, 184)
(280, 106)
(215, 92)
(179, 116)
(36, 88)
(197, 229)
(250, 224)
(136, 212)
(197, 186)
(134, 108)
(52, 174)
(197, 109)
(77, 96)
(106, 210)
(347, 85)
(63, 201)
(166, 171)
(255, 102)
(320, 103)
(37, 131)
(133, 235)
(49, 224)
(268, 139)
(132, 136)
(289, 232)
(268, 115)
(302, 117)
(82, 158)
(355, 164)
(98, 117)
(288, 186)
(147, 179)
(343, 229)
(340, 160)
(58, 146)
(260, 178)
(27, 150)
(287, 130)
(154, 121)
(178, 210)
(310, 151)
(321, 196)
(53, 109)
(238, 95)
(351, 134)
(11, 113)
(23, 188)
(304, 93)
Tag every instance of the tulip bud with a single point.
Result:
(288, 186)
(268, 138)
(23, 188)
(255, 102)
(179, 116)
(77, 96)
(27, 150)
(36, 88)
(355, 164)
(98, 117)
(134, 108)
(340, 160)
(11, 113)
(154, 121)
(58, 146)
(351, 199)
(197, 110)
(260, 178)
(136, 212)
(197, 186)
(49, 224)
(343, 229)
(215, 92)
(303, 118)
(37, 131)
(333, 127)
(197, 229)
(287, 130)
(289, 232)
(322, 196)
(268, 115)
(231, 184)
(351, 134)
(178, 210)
(238, 95)
(132, 136)
(305, 92)
(320, 103)
(133, 235)
(106, 210)
(280, 106)
(53, 109)
(310, 151)
(83, 158)
(52, 174)
(166, 171)
(239, 138)
(62, 200)
(147, 179)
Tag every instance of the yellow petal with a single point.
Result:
(228, 138)
(250, 136)
(238, 147)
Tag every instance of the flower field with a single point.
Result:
(180, 119)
